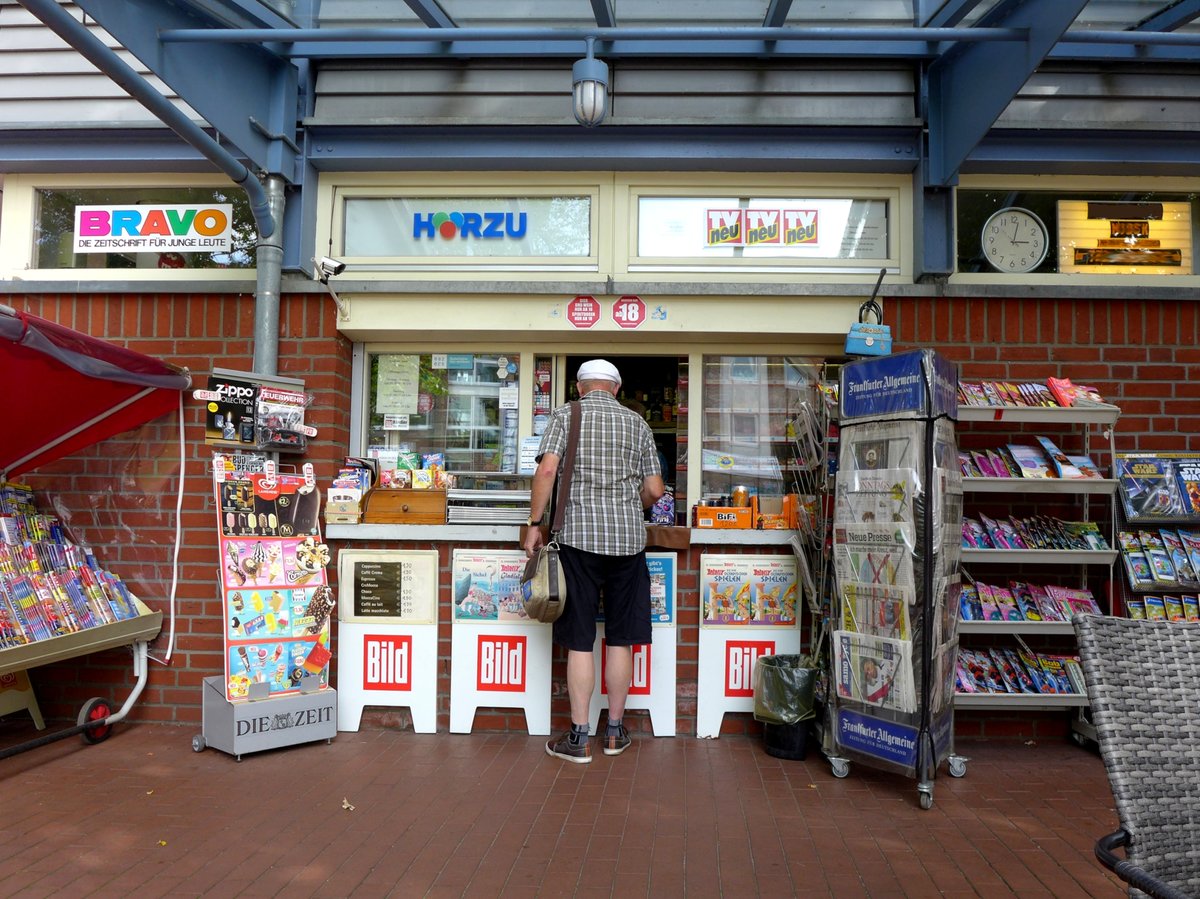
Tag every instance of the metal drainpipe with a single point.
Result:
(270, 269)
(91, 48)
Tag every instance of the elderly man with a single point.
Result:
(603, 543)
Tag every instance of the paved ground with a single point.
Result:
(387, 813)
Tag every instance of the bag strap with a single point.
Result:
(870, 305)
(568, 469)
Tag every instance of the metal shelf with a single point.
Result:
(1041, 556)
(1098, 415)
(1029, 701)
(1059, 486)
(1015, 627)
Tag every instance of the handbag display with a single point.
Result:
(866, 338)
(543, 583)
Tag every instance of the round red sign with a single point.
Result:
(583, 312)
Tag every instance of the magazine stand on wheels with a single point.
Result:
(112, 390)
(896, 549)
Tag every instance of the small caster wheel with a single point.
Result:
(95, 709)
(1078, 738)
(926, 801)
(198, 743)
(840, 767)
(958, 766)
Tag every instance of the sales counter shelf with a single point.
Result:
(1058, 486)
(497, 533)
(1016, 627)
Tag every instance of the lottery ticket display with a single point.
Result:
(277, 600)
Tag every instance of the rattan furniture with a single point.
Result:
(1143, 680)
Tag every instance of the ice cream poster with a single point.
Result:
(748, 590)
(277, 609)
(487, 585)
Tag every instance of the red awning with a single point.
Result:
(65, 390)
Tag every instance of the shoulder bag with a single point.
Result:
(543, 585)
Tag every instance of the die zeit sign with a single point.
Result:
(629, 312)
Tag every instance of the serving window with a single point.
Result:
(455, 411)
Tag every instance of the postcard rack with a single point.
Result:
(896, 522)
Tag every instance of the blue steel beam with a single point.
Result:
(777, 13)
(1013, 151)
(942, 13)
(1172, 16)
(971, 84)
(248, 94)
(429, 12)
(602, 12)
(622, 148)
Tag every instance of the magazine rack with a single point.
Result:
(1141, 678)
(896, 524)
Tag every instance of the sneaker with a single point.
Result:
(564, 749)
(615, 744)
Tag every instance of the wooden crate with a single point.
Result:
(390, 506)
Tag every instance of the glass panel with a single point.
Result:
(1118, 233)
(54, 229)
(760, 227)
(749, 444)
(468, 226)
(456, 410)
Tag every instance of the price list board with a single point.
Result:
(388, 586)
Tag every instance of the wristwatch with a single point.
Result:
(531, 521)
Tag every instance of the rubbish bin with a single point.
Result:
(784, 687)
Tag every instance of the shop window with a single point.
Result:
(756, 436)
(467, 228)
(834, 232)
(1090, 233)
(143, 228)
(456, 410)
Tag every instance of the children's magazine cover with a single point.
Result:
(748, 590)
(1185, 572)
(1058, 459)
(1032, 461)
(487, 585)
(1191, 607)
(1173, 605)
(1187, 477)
(1156, 609)
(1135, 608)
(1148, 487)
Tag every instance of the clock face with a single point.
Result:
(1014, 240)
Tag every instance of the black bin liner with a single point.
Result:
(784, 689)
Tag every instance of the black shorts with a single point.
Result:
(625, 583)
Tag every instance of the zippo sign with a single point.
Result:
(740, 656)
(501, 663)
(387, 662)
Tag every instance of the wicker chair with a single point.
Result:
(1143, 681)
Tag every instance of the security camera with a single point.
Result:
(329, 267)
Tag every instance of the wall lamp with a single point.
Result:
(589, 89)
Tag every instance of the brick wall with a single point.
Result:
(1142, 355)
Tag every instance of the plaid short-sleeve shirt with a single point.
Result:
(616, 453)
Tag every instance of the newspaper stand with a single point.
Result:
(896, 551)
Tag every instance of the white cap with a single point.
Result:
(599, 370)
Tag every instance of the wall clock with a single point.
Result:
(1014, 240)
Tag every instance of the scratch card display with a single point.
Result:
(277, 600)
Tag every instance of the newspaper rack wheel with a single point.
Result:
(925, 797)
(957, 765)
(840, 767)
(198, 744)
(96, 709)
